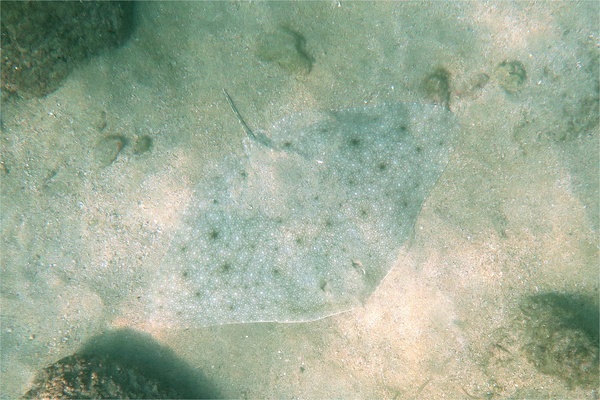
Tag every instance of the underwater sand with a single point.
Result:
(515, 212)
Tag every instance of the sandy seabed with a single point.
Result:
(514, 214)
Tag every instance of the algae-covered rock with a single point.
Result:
(43, 41)
(92, 377)
(561, 337)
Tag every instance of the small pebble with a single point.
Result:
(108, 148)
(143, 144)
(286, 48)
(437, 86)
(511, 75)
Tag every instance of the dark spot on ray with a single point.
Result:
(276, 272)
(197, 293)
(322, 130)
(419, 149)
(287, 144)
(213, 234)
(185, 274)
(382, 166)
(363, 212)
(225, 267)
(299, 240)
(354, 142)
(215, 201)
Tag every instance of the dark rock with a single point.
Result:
(561, 337)
(118, 365)
(43, 41)
(92, 377)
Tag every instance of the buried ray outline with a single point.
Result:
(308, 222)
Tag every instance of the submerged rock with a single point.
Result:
(92, 377)
(43, 41)
(561, 337)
